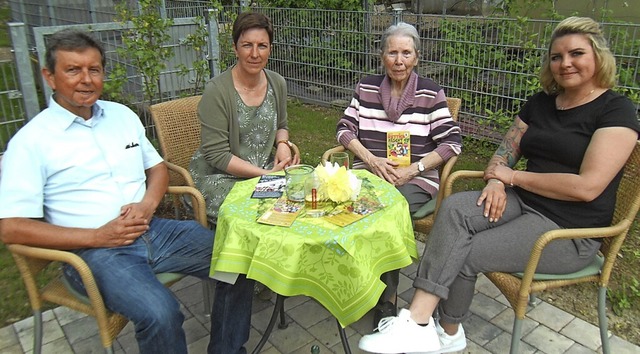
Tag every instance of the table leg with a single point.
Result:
(343, 338)
(277, 309)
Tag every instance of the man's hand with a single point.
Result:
(121, 231)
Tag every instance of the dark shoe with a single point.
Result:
(385, 309)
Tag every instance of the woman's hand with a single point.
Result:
(498, 172)
(384, 168)
(494, 198)
(284, 153)
(281, 165)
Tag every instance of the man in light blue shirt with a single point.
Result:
(82, 176)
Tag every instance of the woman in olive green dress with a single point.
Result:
(243, 115)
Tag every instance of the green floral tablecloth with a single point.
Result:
(340, 267)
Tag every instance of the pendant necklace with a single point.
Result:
(574, 104)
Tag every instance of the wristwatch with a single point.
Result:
(420, 166)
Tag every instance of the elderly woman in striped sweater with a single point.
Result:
(400, 103)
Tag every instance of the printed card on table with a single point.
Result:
(269, 186)
(283, 213)
(399, 147)
(351, 212)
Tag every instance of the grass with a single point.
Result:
(312, 128)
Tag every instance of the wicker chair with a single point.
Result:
(423, 217)
(33, 261)
(520, 288)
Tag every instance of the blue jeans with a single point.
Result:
(126, 279)
(231, 316)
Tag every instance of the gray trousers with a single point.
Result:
(416, 197)
(463, 243)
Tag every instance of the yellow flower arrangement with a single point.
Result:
(337, 183)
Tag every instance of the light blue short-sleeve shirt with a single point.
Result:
(76, 173)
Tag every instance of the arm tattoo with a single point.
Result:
(509, 149)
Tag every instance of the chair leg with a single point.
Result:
(37, 332)
(515, 336)
(602, 319)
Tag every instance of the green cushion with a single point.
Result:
(425, 210)
(592, 269)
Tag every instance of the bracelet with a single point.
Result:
(283, 142)
(493, 180)
(512, 176)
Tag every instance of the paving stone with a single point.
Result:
(88, 345)
(505, 322)
(13, 349)
(502, 344)
(407, 295)
(260, 320)
(307, 349)
(550, 316)
(405, 283)
(353, 345)
(51, 332)
(620, 346)
(127, 341)
(583, 332)
(364, 325)
(254, 338)
(309, 313)
(327, 332)
(548, 341)
(578, 348)
(8, 338)
(485, 286)
(486, 307)
(66, 315)
(479, 330)
(199, 346)
(290, 338)
(190, 295)
(474, 348)
(309, 323)
(294, 301)
(59, 345)
(194, 330)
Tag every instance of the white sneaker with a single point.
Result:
(449, 343)
(401, 334)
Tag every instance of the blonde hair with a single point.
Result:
(605, 62)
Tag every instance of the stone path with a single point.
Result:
(547, 329)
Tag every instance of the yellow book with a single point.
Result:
(399, 147)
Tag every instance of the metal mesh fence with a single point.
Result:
(490, 63)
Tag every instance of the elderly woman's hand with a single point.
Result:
(384, 168)
(405, 174)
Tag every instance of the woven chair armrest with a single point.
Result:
(66, 257)
(294, 149)
(564, 234)
(182, 171)
(450, 180)
(327, 154)
(198, 202)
